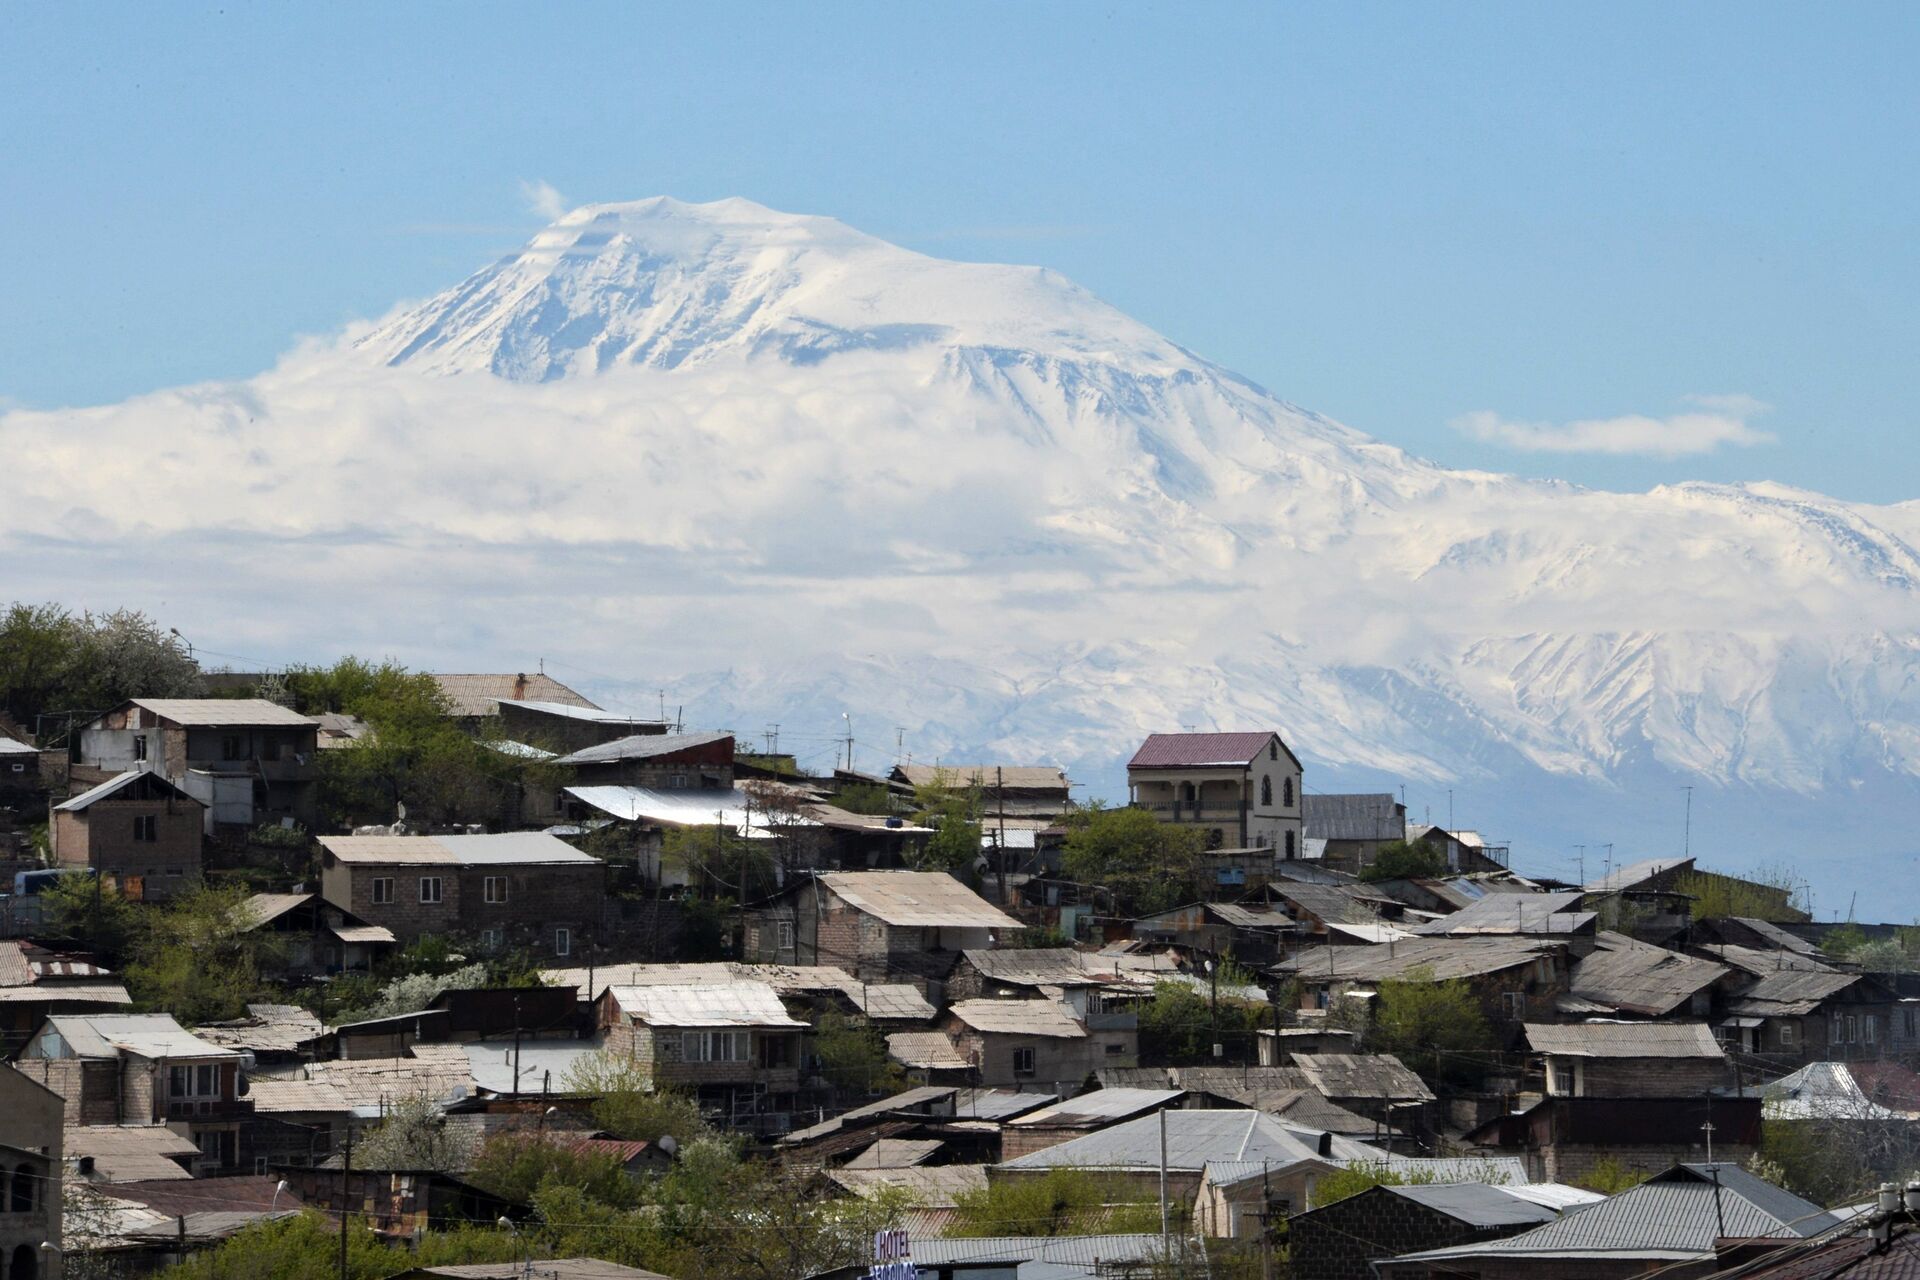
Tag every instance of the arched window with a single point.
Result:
(1273, 749)
(1286, 793)
(1266, 793)
(25, 1265)
(1290, 850)
(22, 1199)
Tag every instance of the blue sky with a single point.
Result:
(1397, 215)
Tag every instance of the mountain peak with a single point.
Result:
(661, 283)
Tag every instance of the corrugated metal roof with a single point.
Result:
(1195, 1138)
(1025, 777)
(1042, 967)
(1791, 993)
(643, 746)
(1636, 873)
(128, 1152)
(1444, 957)
(113, 786)
(1823, 1091)
(926, 1051)
(274, 1028)
(225, 712)
(508, 848)
(1362, 1075)
(264, 908)
(931, 1186)
(1100, 1107)
(1199, 750)
(1676, 1213)
(1641, 979)
(151, 1035)
(1020, 1017)
(896, 1153)
(691, 807)
(997, 1104)
(476, 694)
(8, 747)
(1759, 962)
(1352, 817)
(1514, 913)
(1624, 1040)
(67, 993)
(927, 898)
(270, 1096)
(1329, 902)
(1066, 1257)
(1475, 1203)
(543, 1064)
(734, 1004)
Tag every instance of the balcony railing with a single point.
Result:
(1192, 811)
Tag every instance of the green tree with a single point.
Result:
(1437, 1028)
(53, 660)
(1060, 1202)
(1149, 865)
(1180, 1025)
(864, 797)
(517, 1166)
(1361, 1176)
(82, 909)
(198, 956)
(853, 1055)
(628, 1105)
(954, 814)
(1771, 893)
(1610, 1177)
(1406, 860)
(306, 1246)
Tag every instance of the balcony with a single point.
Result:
(208, 1108)
(1116, 1021)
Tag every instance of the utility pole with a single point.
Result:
(1686, 840)
(848, 717)
(1000, 796)
(346, 1196)
(1583, 864)
(1449, 810)
(1166, 1248)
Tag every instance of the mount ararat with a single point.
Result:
(787, 470)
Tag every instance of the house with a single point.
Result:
(1625, 978)
(1550, 916)
(1063, 1121)
(476, 697)
(138, 828)
(1669, 1223)
(399, 1204)
(1080, 979)
(1752, 932)
(1026, 1258)
(249, 761)
(30, 1175)
(880, 926)
(733, 1045)
(35, 982)
(1566, 1139)
(543, 1269)
(1798, 1015)
(316, 937)
(131, 1228)
(1629, 1060)
(19, 766)
(1339, 1241)
(1376, 1085)
(272, 1033)
(929, 1057)
(1034, 1044)
(1250, 933)
(1348, 830)
(1514, 978)
(142, 1069)
(1239, 789)
(1875, 1246)
(1342, 914)
(1464, 852)
(1286, 1093)
(521, 888)
(1018, 791)
(656, 762)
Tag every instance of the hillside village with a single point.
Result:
(362, 971)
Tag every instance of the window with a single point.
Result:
(786, 935)
(381, 890)
(140, 747)
(429, 888)
(1872, 1034)
(233, 747)
(146, 829)
(1286, 793)
(714, 1046)
(1023, 1062)
(1266, 792)
(1853, 1029)
(678, 781)
(1291, 851)
(270, 749)
(1273, 749)
(563, 942)
(1116, 1048)
(490, 939)
(1515, 1003)
(496, 888)
(201, 1081)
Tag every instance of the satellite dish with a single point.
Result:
(400, 809)
(669, 1144)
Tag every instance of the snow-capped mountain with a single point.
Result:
(789, 470)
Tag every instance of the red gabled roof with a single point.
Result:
(1200, 750)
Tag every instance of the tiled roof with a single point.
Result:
(480, 695)
(236, 713)
(1198, 750)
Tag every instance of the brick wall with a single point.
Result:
(102, 837)
(89, 1092)
(349, 885)
(539, 899)
(1653, 1077)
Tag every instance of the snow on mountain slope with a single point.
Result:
(793, 470)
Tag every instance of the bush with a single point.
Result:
(1062, 1202)
(1406, 860)
(626, 1103)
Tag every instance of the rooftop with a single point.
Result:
(150, 1035)
(926, 1051)
(197, 713)
(480, 695)
(129, 1152)
(1362, 1075)
(1193, 1138)
(922, 898)
(114, 786)
(1622, 976)
(1625, 1040)
(1444, 957)
(689, 807)
(1510, 914)
(511, 848)
(1020, 1017)
(1636, 874)
(643, 746)
(1352, 817)
(1200, 750)
(738, 1003)
(1100, 1107)
(1025, 777)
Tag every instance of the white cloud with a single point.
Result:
(543, 199)
(1715, 420)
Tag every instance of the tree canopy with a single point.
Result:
(54, 660)
(1149, 865)
(1405, 860)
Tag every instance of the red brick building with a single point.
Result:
(137, 828)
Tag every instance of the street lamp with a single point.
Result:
(175, 633)
(520, 1242)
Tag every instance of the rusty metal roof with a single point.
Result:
(1199, 750)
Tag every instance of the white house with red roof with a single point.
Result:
(1242, 789)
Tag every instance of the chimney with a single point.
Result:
(520, 687)
(1326, 1145)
